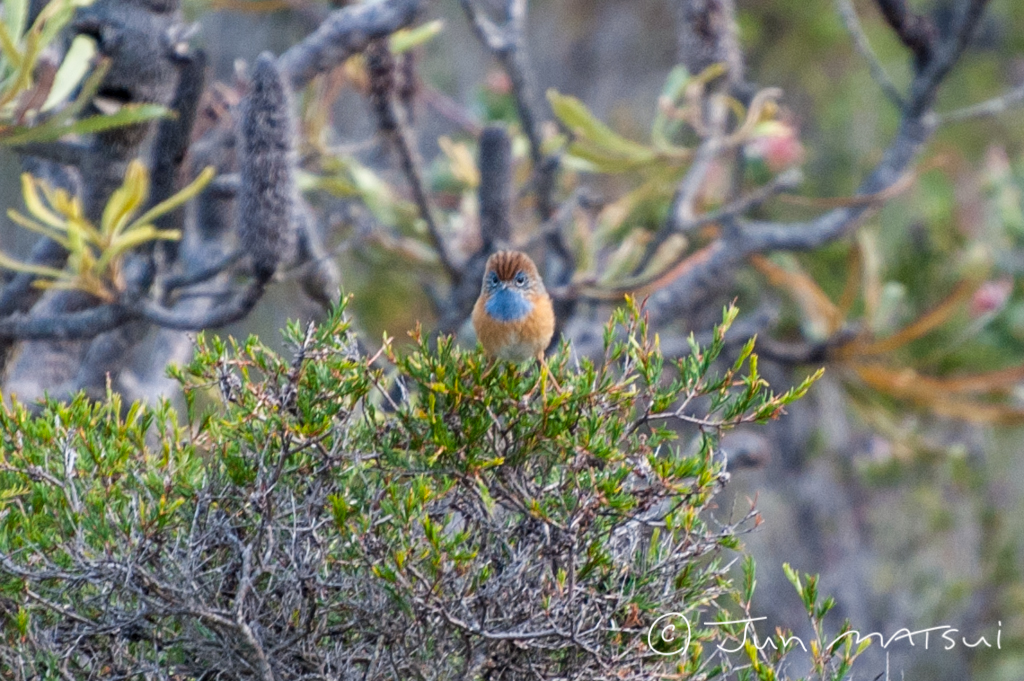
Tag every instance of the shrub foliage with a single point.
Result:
(411, 514)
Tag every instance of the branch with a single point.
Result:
(240, 304)
(97, 320)
(225, 186)
(707, 36)
(506, 44)
(495, 187)
(992, 107)
(758, 237)
(703, 272)
(391, 123)
(918, 33)
(680, 213)
(172, 142)
(860, 40)
(314, 266)
(200, 275)
(451, 110)
(67, 326)
(344, 33)
(64, 153)
(18, 294)
(926, 84)
(494, 194)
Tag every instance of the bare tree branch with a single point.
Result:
(992, 107)
(392, 125)
(198, 276)
(238, 306)
(707, 36)
(64, 153)
(93, 321)
(860, 40)
(495, 190)
(918, 33)
(703, 272)
(65, 326)
(926, 84)
(345, 32)
(507, 45)
(172, 140)
(494, 194)
(18, 294)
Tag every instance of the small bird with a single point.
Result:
(513, 316)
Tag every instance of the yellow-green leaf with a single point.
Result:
(72, 70)
(128, 115)
(9, 263)
(34, 226)
(10, 49)
(405, 39)
(461, 161)
(15, 14)
(186, 194)
(30, 192)
(126, 199)
(577, 117)
(84, 228)
(132, 238)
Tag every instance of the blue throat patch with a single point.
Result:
(506, 305)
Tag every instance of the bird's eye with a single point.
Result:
(520, 279)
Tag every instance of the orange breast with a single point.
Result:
(519, 340)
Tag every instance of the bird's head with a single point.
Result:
(511, 282)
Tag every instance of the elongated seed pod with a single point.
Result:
(380, 67)
(266, 198)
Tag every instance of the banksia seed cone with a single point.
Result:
(380, 68)
(266, 162)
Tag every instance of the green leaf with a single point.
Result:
(128, 115)
(31, 225)
(125, 200)
(664, 127)
(11, 51)
(605, 145)
(9, 263)
(749, 582)
(36, 206)
(794, 578)
(132, 238)
(72, 70)
(405, 39)
(186, 194)
(15, 15)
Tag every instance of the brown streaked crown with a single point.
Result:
(507, 263)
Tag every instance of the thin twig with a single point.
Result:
(450, 109)
(992, 107)
(703, 272)
(190, 278)
(917, 32)
(860, 40)
(506, 44)
(345, 32)
(392, 124)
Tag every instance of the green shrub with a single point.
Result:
(416, 514)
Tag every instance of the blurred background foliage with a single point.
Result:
(900, 478)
